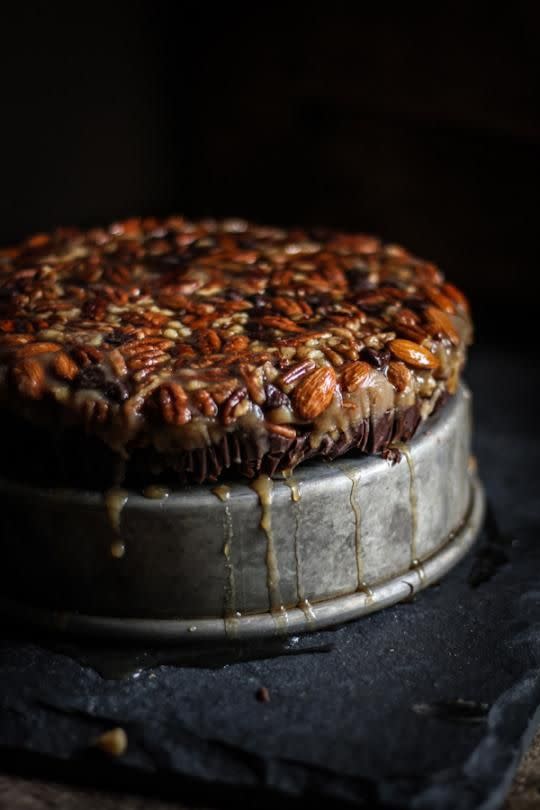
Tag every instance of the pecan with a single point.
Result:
(208, 341)
(95, 412)
(29, 378)
(236, 344)
(253, 378)
(285, 431)
(276, 398)
(204, 402)
(413, 354)
(287, 306)
(442, 323)
(296, 372)
(284, 324)
(398, 374)
(86, 355)
(173, 403)
(315, 393)
(230, 404)
(64, 367)
(355, 375)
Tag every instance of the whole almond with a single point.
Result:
(315, 392)
(455, 295)
(355, 375)
(29, 377)
(32, 349)
(413, 354)
(442, 323)
(398, 374)
(64, 367)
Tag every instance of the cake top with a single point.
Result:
(152, 328)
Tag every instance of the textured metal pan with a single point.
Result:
(338, 540)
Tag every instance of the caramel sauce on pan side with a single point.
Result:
(264, 487)
(115, 501)
(231, 615)
(413, 502)
(155, 492)
(303, 602)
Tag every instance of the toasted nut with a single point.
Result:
(29, 378)
(413, 354)
(284, 324)
(285, 431)
(315, 393)
(440, 300)
(64, 367)
(455, 295)
(205, 403)
(399, 375)
(173, 402)
(296, 372)
(355, 375)
(229, 406)
(32, 349)
(442, 323)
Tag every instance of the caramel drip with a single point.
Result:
(264, 487)
(229, 611)
(156, 493)
(353, 500)
(115, 501)
(413, 500)
(293, 485)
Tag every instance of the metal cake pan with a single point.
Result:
(338, 540)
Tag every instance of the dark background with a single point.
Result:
(422, 127)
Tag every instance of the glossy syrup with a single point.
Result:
(413, 505)
(296, 497)
(264, 487)
(230, 613)
(115, 501)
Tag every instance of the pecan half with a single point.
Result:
(173, 403)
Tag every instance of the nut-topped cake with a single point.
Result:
(180, 350)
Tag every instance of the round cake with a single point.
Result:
(176, 350)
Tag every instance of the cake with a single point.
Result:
(173, 350)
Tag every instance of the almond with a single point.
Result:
(32, 349)
(413, 354)
(315, 392)
(443, 323)
(440, 300)
(29, 378)
(399, 375)
(355, 375)
(455, 295)
(64, 367)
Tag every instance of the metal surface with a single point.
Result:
(364, 534)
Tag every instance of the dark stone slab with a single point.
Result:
(428, 704)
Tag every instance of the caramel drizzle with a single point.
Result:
(231, 615)
(303, 602)
(264, 487)
(115, 501)
(355, 506)
(413, 501)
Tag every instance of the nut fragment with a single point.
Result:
(315, 393)
(113, 742)
(413, 354)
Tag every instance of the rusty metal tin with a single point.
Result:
(338, 540)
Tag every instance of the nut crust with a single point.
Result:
(250, 345)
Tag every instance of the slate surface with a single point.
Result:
(425, 705)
